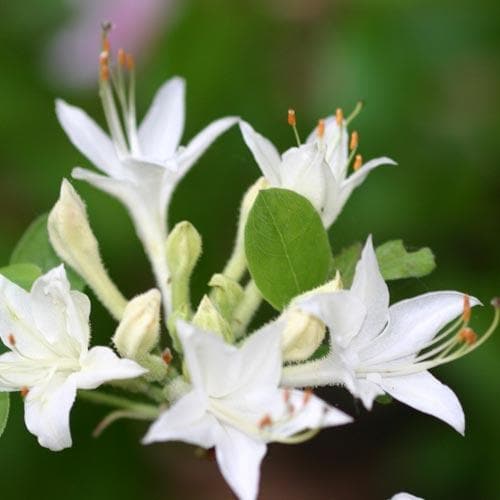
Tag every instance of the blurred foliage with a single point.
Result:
(430, 76)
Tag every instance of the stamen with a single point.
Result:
(358, 161)
(122, 58)
(468, 336)
(106, 27)
(130, 62)
(24, 391)
(167, 356)
(321, 129)
(292, 121)
(286, 395)
(265, 421)
(354, 141)
(307, 396)
(339, 116)
(467, 309)
(104, 65)
(11, 339)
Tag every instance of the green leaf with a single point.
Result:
(21, 274)
(384, 399)
(34, 247)
(396, 262)
(345, 262)
(4, 410)
(286, 246)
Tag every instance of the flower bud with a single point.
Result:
(226, 294)
(139, 329)
(304, 333)
(183, 250)
(208, 318)
(73, 240)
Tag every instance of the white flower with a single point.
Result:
(317, 169)
(377, 349)
(47, 332)
(142, 166)
(235, 404)
(405, 496)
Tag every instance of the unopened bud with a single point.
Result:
(183, 249)
(208, 318)
(73, 240)
(226, 294)
(139, 329)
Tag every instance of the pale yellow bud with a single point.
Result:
(226, 294)
(183, 250)
(73, 240)
(208, 318)
(139, 329)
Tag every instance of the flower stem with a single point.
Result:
(119, 402)
(245, 311)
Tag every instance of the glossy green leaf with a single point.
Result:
(34, 248)
(396, 262)
(21, 274)
(286, 246)
(4, 410)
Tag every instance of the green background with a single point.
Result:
(429, 73)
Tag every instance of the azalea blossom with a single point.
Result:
(141, 165)
(236, 406)
(318, 169)
(377, 349)
(47, 332)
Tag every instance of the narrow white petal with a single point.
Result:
(61, 315)
(161, 130)
(46, 412)
(201, 142)
(369, 286)
(187, 420)
(405, 496)
(264, 152)
(239, 457)
(342, 312)
(412, 324)
(88, 137)
(101, 365)
(427, 394)
(17, 372)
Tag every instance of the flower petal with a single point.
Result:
(88, 137)
(201, 142)
(264, 152)
(412, 324)
(239, 457)
(46, 412)
(187, 420)
(101, 365)
(427, 394)
(405, 496)
(17, 372)
(369, 286)
(161, 129)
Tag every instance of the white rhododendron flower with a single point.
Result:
(318, 169)
(377, 349)
(47, 332)
(236, 406)
(405, 496)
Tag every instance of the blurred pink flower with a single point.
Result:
(72, 55)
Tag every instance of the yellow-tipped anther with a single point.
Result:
(292, 120)
(358, 161)
(104, 65)
(130, 62)
(122, 58)
(467, 310)
(321, 128)
(354, 141)
(339, 116)
(467, 335)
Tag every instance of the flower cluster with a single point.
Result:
(196, 371)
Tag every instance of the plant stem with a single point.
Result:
(119, 402)
(245, 311)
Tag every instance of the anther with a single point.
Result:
(358, 161)
(339, 116)
(122, 58)
(167, 357)
(354, 141)
(24, 391)
(495, 302)
(292, 120)
(321, 128)
(130, 62)
(307, 396)
(286, 395)
(11, 339)
(265, 421)
(467, 310)
(106, 28)
(467, 335)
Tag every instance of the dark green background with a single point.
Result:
(429, 73)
